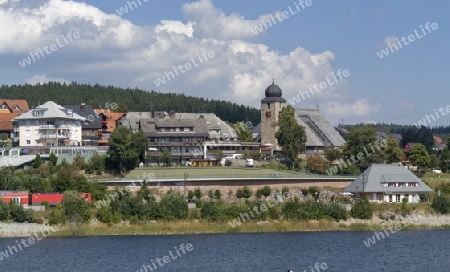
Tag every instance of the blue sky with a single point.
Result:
(143, 44)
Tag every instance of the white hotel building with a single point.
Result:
(49, 124)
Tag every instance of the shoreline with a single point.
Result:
(195, 227)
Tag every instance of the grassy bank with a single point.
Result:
(205, 227)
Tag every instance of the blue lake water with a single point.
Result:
(300, 251)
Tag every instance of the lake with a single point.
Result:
(300, 251)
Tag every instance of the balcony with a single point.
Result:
(54, 136)
(47, 127)
(16, 129)
(64, 126)
(48, 136)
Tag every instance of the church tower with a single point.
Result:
(271, 107)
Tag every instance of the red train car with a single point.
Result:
(53, 199)
(20, 197)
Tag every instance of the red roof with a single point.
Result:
(5, 121)
(438, 140)
(22, 105)
(110, 117)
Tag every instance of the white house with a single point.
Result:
(388, 183)
(49, 124)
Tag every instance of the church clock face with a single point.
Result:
(268, 114)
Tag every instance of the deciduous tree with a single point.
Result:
(419, 156)
(290, 135)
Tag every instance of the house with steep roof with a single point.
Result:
(89, 127)
(49, 124)
(181, 137)
(388, 183)
(10, 109)
(439, 144)
(108, 122)
(13, 106)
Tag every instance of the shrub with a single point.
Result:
(57, 216)
(173, 206)
(19, 214)
(441, 204)
(3, 211)
(405, 210)
(362, 209)
(46, 205)
(198, 204)
(228, 163)
(104, 214)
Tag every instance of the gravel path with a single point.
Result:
(24, 229)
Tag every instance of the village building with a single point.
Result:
(388, 183)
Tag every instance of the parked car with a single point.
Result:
(437, 171)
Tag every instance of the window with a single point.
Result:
(28, 142)
(390, 198)
(397, 198)
(268, 106)
(37, 142)
(177, 129)
(186, 129)
(163, 129)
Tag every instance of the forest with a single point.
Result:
(134, 99)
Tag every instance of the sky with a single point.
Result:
(357, 61)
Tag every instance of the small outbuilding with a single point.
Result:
(388, 183)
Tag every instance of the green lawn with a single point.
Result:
(204, 171)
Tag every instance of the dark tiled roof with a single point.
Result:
(86, 111)
(150, 127)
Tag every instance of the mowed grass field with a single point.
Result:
(205, 171)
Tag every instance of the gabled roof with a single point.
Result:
(376, 178)
(110, 115)
(150, 127)
(15, 105)
(438, 140)
(49, 110)
(131, 119)
(217, 128)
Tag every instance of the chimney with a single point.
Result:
(83, 107)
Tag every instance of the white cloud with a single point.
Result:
(210, 22)
(114, 51)
(387, 41)
(359, 108)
